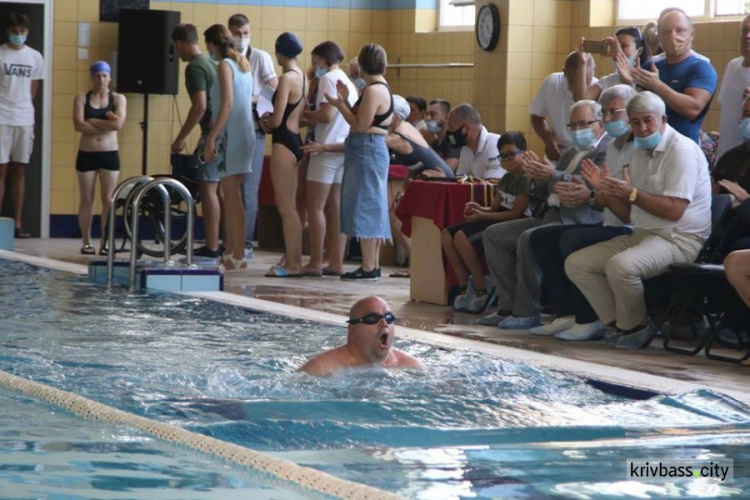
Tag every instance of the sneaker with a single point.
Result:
(558, 325)
(204, 251)
(462, 301)
(587, 331)
(493, 319)
(519, 323)
(639, 339)
(610, 337)
(378, 273)
(361, 275)
(249, 253)
(20, 233)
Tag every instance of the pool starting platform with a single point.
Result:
(158, 275)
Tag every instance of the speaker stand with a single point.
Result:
(144, 128)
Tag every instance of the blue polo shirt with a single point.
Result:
(692, 72)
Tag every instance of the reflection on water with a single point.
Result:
(467, 426)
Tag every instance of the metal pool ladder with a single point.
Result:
(141, 185)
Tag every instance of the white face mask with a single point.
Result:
(241, 43)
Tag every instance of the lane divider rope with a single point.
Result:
(282, 469)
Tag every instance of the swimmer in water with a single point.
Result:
(369, 342)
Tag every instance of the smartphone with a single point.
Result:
(594, 47)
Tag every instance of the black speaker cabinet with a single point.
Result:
(147, 62)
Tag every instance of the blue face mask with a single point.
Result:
(745, 128)
(360, 83)
(433, 126)
(648, 142)
(17, 39)
(583, 138)
(319, 72)
(617, 128)
(214, 57)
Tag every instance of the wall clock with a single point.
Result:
(488, 27)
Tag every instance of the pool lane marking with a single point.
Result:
(88, 409)
(621, 376)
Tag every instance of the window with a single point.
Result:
(699, 10)
(456, 14)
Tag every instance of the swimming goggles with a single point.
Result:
(373, 319)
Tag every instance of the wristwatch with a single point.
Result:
(633, 195)
(592, 198)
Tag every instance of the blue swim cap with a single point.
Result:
(99, 67)
(288, 44)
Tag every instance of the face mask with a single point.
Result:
(648, 142)
(319, 72)
(583, 138)
(617, 128)
(456, 138)
(241, 43)
(17, 39)
(433, 126)
(360, 83)
(745, 128)
(676, 45)
(214, 57)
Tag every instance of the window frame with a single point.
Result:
(455, 27)
(708, 15)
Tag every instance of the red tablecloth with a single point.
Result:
(265, 190)
(443, 202)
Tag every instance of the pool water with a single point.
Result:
(469, 426)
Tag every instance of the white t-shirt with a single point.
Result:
(337, 129)
(485, 163)
(261, 66)
(18, 68)
(677, 168)
(554, 99)
(608, 81)
(736, 78)
(617, 159)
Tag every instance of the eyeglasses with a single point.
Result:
(373, 319)
(611, 112)
(510, 156)
(581, 125)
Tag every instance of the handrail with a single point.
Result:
(160, 183)
(431, 65)
(140, 179)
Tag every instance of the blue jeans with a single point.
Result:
(250, 183)
(550, 246)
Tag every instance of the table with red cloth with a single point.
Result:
(426, 209)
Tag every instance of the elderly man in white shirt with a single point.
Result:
(666, 196)
(479, 155)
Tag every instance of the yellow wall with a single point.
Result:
(536, 35)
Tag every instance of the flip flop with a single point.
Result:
(328, 272)
(312, 274)
(401, 274)
(280, 272)
(87, 249)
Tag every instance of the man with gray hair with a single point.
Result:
(551, 245)
(506, 244)
(479, 154)
(665, 195)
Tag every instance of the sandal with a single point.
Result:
(404, 273)
(88, 249)
(232, 264)
(279, 272)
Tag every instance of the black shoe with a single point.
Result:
(204, 251)
(378, 273)
(20, 233)
(361, 275)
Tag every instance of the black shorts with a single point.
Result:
(88, 161)
(472, 230)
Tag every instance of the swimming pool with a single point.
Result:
(468, 426)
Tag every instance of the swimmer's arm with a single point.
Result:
(316, 367)
(408, 361)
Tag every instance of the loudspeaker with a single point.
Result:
(147, 62)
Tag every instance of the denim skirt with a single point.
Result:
(364, 188)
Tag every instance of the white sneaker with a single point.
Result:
(558, 325)
(588, 331)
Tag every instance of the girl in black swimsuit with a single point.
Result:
(286, 152)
